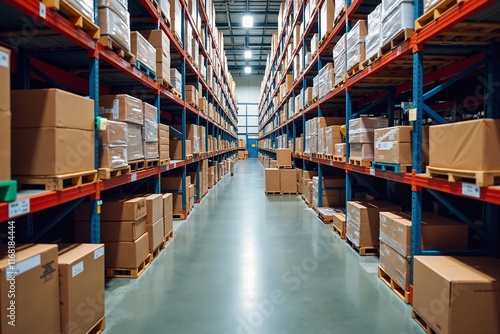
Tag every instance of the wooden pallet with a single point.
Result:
(165, 17)
(165, 83)
(272, 193)
(158, 249)
(479, 178)
(422, 323)
(164, 162)
(155, 5)
(396, 168)
(150, 163)
(108, 173)
(339, 232)
(341, 14)
(75, 17)
(436, 12)
(284, 166)
(357, 162)
(326, 219)
(354, 70)
(176, 93)
(189, 156)
(339, 159)
(402, 36)
(168, 237)
(371, 60)
(144, 69)
(363, 251)
(394, 285)
(59, 182)
(98, 327)
(136, 165)
(111, 44)
(8, 191)
(282, 193)
(128, 272)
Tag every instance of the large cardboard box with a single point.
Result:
(121, 107)
(339, 221)
(116, 134)
(396, 265)
(168, 223)
(112, 230)
(4, 79)
(393, 153)
(284, 157)
(143, 50)
(43, 108)
(361, 151)
(118, 209)
(5, 149)
(359, 238)
(466, 145)
(167, 204)
(174, 182)
(458, 295)
(340, 150)
(135, 148)
(156, 234)
(31, 305)
(51, 151)
(288, 180)
(81, 276)
(361, 130)
(127, 254)
(273, 180)
(154, 207)
(399, 134)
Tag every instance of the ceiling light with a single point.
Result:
(248, 54)
(248, 69)
(247, 21)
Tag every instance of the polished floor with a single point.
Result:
(245, 263)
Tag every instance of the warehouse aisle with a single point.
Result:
(247, 263)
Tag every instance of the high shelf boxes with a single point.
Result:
(5, 115)
(160, 41)
(154, 220)
(52, 131)
(362, 137)
(374, 37)
(339, 60)
(397, 15)
(164, 141)
(393, 145)
(114, 21)
(113, 145)
(150, 131)
(143, 51)
(356, 44)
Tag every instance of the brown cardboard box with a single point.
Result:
(116, 133)
(288, 180)
(156, 233)
(400, 134)
(364, 238)
(115, 209)
(150, 112)
(466, 145)
(176, 149)
(339, 221)
(121, 107)
(143, 51)
(167, 204)
(458, 295)
(273, 180)
(173, 182)
(361, 151)
(154, 208)
(113, 231)
(396, 265)
(51, 151)
(361, 130)
(151, 150)
(393, 152)
(135, 148)
(284, 157)
(159, 40)
(395, 231)
(191, 130)
(35, 108)
(168, 223)
(36, 299)
(5, 148)
(340, 150)
(332, 137)
(127, 254)
(367, 213)
(4, 79)
(177, 203)
(81, 276)
(273, 164)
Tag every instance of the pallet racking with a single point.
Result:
(50, 51)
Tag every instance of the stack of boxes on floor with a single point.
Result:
(154, 222)
(282, 179)
(5, 116)
(54, 288)
(362, 138)
(114, 21)
(307, 185)
(173, 184)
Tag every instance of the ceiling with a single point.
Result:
(229, 14)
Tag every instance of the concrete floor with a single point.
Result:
(245, 263)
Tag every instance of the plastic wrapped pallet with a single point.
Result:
(176, 79)
(321, 141)
(314, 44)
(150, 131)
(143, 51)
(113, 25)
(339, 59)
(428, 4)
(400, 18)
(175, 18)
(86, 7)
(356, 44)
(113, 148)
(339, 6)
(332, 137)
(316, 87)
(151, 150)
(389, 5)
(121, 107)
(340, 150)
(374, 37)
(135, 149)
(361, 130)
(165, 8)
(118, 7)
(327, 13)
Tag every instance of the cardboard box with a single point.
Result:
(116, 134)
(284, 157)
(399, 134)
(119, 209)
(150, 112)
(458, 295)
(154, 208)
(177, 203)
(340, 150)
(159, 40)
(361, 130)
(36, 300)
(393, 152)
(135, 148)
(273, 180)
(174, 182)
(168, 223)
(365, 238)
(288, 180)
(37, 108)
(361, 152)
(396, 265)
(81, 278)
(128, 255)
(112, 156)
(5, 148)
(5, 79)
(339, 221)
(361, 213)
(466, 145)
(167, 204)
(156, 234)
(52, 151)
(121, 107)
(143, 51)
(151, 150)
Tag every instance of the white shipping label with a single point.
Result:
(22, 267)
(382, 123)
(471, 190)
(116, 109)
(77, 269)
(4, 59)
(385, 146)
(372, 171)
(98, 253)
(19, 208)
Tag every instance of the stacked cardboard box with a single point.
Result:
(374, 36)
(333, 137)
(114, 21)
(340, 150)
(339, 60)
(192, 196)
(160, 41)
(356, 44)
(143, 51)
(363, 222)
(397, 15)
(202, 134)
(273, 184)
(168, 214)
(193, 135)
(362, 138)
(326, 78)
(438, 233)
(127, 109)
(457, 295)
(174, 184)
(113, 145)
(164, 141)
(176, 148)
(5, 116)
(154, 221)
(59, 140)
(333, 192)
(307, 185)
(150, 131)
(175, 18)
(191, 96)
(393, 145)
(176, 80)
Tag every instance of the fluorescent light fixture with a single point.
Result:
(248, 69)
(248, 54)
(247, 21)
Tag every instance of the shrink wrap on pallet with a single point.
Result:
(339, 59)
(339, 6)
(356, 44)
(428, 4)
(151, 150)
(135, 149)
(143, 51)
(332, 137)
(373, 39)
(398, 19)
(389, 5)
(150, 131)
(86, 7)
(112, 156)
(118, 7)
(340, 150)
(113, 25)
(176, 79)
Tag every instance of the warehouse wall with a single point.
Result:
(248, 95)
(248, 89)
